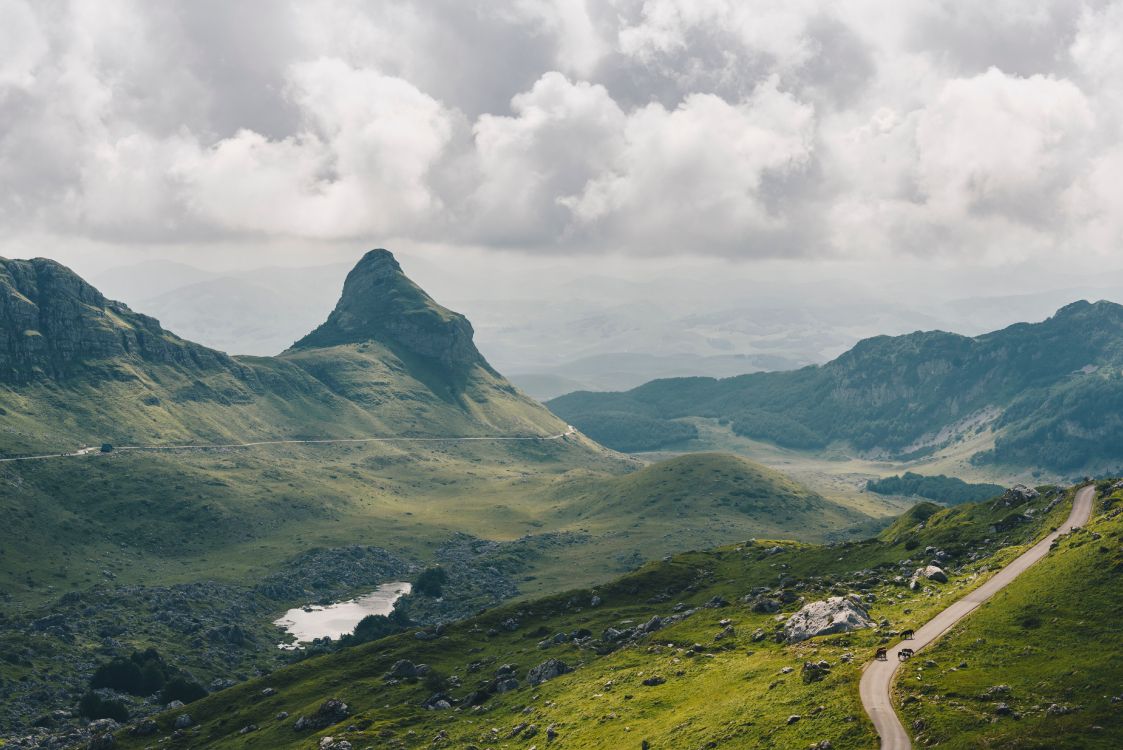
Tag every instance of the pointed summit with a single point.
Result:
(380, 303)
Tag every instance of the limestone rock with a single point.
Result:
(547, 670)
(835, 615)
(932, 573)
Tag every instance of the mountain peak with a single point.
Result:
(380, 303)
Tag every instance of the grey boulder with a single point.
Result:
(827, 617)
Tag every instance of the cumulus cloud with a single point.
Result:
(862, 128)
(699, 176)
(999, 144)
(560, 136)
(358, 166)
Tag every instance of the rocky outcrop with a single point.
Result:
(379, 303)
(52, 323)
(331, 711)
(1019, 494)
(928, 573)
(547, 670)
(835, 615)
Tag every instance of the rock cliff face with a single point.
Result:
(379, 303)
(52, 323)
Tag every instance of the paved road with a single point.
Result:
(878, 677)
(570, 430)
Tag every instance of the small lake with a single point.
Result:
(334, 620)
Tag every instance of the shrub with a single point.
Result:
(142, 673)
(430, 581)
(434, 681)
(120, 674)
(945, 489)
(182, 689)
(93, 706)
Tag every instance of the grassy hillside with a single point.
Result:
(111, 534)
(713, 676)
(147, 518)
(710, 490)
(1048, 389)
(130, 533)
(1040, 666)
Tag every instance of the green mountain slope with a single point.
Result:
(1053, 391)
(1044, 665)
(714, 487)
(77, 368)
(681, 653)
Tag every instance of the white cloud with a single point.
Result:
(560, 136)
(360, 166)
(1001, 144)
(692, 178)
(861, 128)
(22, 42)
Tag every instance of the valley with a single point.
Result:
(378, 445)
(161, 495)
(561, 375)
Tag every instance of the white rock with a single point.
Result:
(932, 573)
(835, 615)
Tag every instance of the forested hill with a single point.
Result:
(1053, 391)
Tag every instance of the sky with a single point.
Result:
(955, 145)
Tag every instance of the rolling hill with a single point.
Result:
(1052, 392)
(714, 487)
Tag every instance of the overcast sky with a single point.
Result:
(927, 135)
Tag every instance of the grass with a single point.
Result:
(1052, 637)
(732, 691)
(146, 518)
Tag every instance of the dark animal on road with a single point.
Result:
(882, 654)
(905, 654)
(906, 635)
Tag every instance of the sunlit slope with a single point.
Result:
(691, 488)
(715, 677)
(1041, 664)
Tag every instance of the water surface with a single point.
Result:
(334, 620)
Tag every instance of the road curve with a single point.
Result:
(877, 680)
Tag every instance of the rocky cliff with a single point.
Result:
(53, 324)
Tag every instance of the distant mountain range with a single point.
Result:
(1052, 392)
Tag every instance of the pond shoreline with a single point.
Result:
(304, 624)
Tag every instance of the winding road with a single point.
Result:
(570, 430)
(877, 680)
